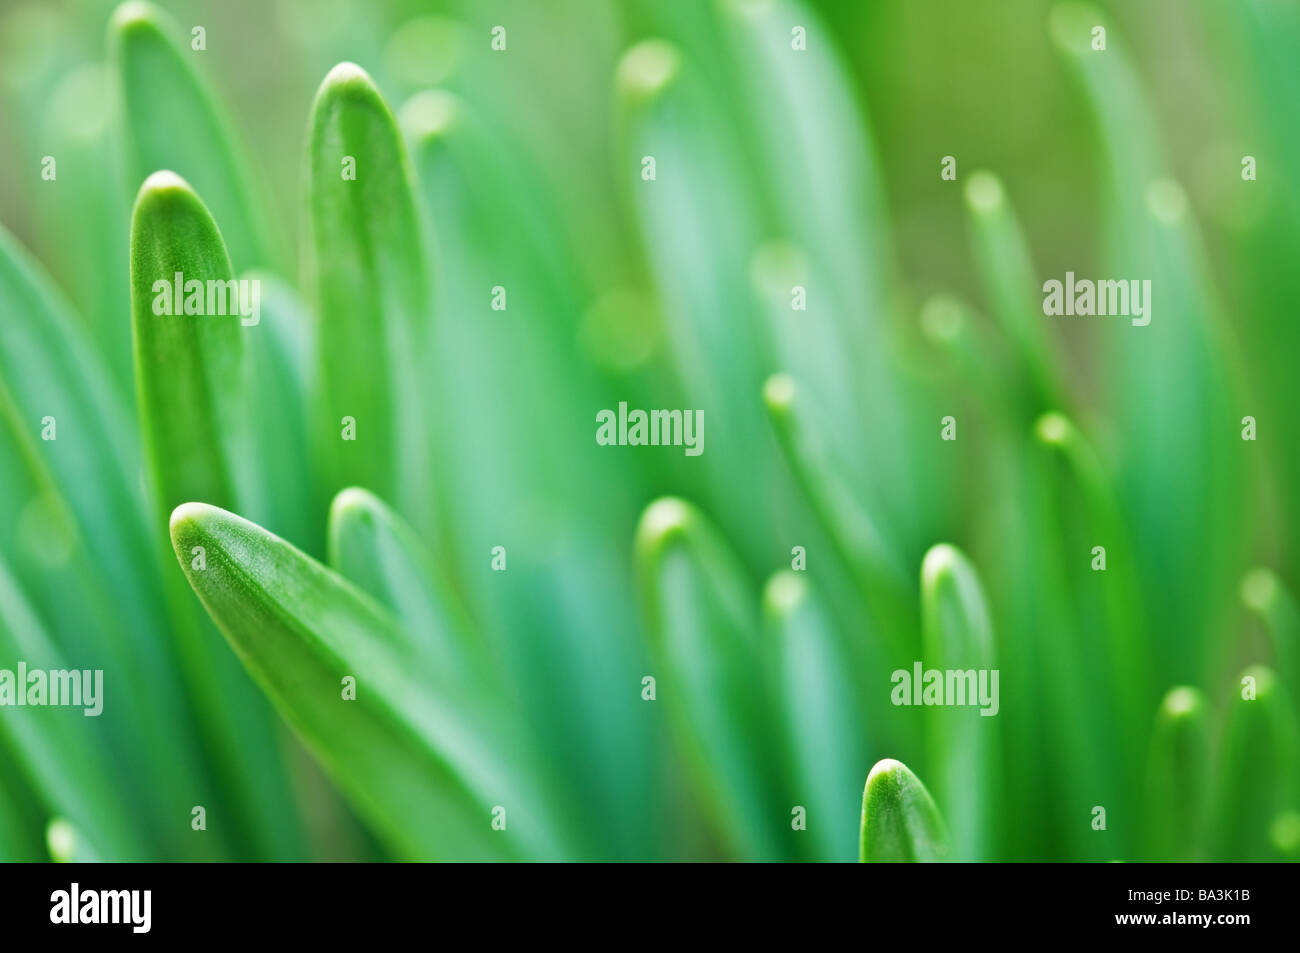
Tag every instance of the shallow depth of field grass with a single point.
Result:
(363, 583)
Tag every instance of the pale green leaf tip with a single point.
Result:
(779, 394)
(352, 501)
(984, 192)
(188, 522)
(940, 564)
(429, 115)
(1259, 590)
(164, 183)
(348, 82)
(61, 841)
(647, 68)
(1053, 429)
(135, 17)
(666, 520)
(1284, 833)
(942, 318)
(783, 595)
(899, 817)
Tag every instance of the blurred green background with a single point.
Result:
(925, 302)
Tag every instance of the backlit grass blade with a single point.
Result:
(825, 728)
(900, 823)
(73, 520)
(421, 757)
(1112, 635)
(60, 750)
(279, 352)
(20, 818)
(1265, 595)
(1011, 287)
(1256, 774)
(855, 532)
(1178, 778)
(703, 621)
(193, 389)
(1182, 359)
(963, 738)
(699, 229)
(816, 166)
(171, 121)
(372, 547)
(365, 263)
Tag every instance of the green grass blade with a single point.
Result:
(964, 750)
(1257, 773)
(1182, 359)
(1266, 596)
(193, 389)
(366, 264)
(900, 823)
(857, 535)
(412, 745)
(699, 230)
(1178, 778)
(825, 728)
(60, 749)
(172, 121)
(372, 547)
(702, 618)
(1011, 287)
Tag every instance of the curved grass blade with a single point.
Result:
(703, 623)
(900, 823)
(1256, 776)
(59, 749)
(873, 560)
(423, 759)
(19, 819)
(964, 750)
(366, 264)
(193, 389)
(372, 547)
(171, 121)
(1265, 594)
(73, 521)
(1011, 287)
(1181, 359)
(825, 728)
(1178, 778)
(699, 230)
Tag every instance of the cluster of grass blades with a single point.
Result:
(377, 517)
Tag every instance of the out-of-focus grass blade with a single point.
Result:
(171, 121)
(825, 728)
(74, 522)
(279, 352)
(1011, 287)
(1256, 771)
(699, 230)
(60, 749)
(365, 259)
(965, 755)
(816, 161)
(1175, 393)
(90, 260)
(855, 532)
(1121, 655)
(67, 845)
(1178, 778)
(702, 618)
(900, 823)
(410, 746)
(372, 547)
(192, 387)
(1265, 595)
(19, 819)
